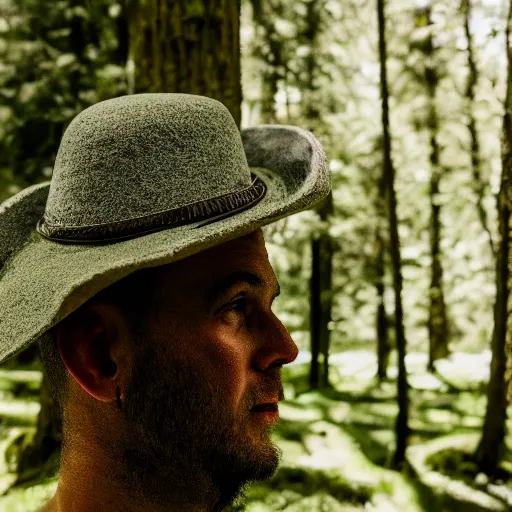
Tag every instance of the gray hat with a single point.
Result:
(140, 181)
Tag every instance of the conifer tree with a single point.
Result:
(491, 445)
(401, 425)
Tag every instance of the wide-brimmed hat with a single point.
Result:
(140, 181)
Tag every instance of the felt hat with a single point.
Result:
(140, 181)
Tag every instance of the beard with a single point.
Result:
(182, 445)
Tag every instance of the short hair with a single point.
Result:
(137, 297)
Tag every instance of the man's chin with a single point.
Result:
(257, 465)
(258, 460)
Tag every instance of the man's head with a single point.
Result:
(192, 346)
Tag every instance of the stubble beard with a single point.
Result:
(182, 444)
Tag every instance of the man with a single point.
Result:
(145, 260)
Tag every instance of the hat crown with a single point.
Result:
(141, 154)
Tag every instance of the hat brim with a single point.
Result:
(44, 281)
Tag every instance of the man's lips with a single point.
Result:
(265, 407)
(267, 412)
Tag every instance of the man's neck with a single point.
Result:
(85, 485)
(61, 503)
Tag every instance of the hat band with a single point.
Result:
(210, 210)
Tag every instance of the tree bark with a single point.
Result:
(321, 245)
(321, 301)
(381, 323)
(171, 47)
(271, 52)
(401, 425)
(437, 319)
(379, 264)
(491, 443)
(478, 184)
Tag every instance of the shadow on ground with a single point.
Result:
(336, 446)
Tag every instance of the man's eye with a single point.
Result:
(237, 306)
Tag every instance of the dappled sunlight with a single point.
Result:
(467, 368)
(27, 499)
(339, 412)
(288, 412)
(347, 434)
(427, 381)
(19, 411)
(397, 278)
(24, 376)
(440, 416)
(457, 489)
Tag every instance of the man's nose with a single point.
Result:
(277, 346)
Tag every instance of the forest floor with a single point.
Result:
(336, 444)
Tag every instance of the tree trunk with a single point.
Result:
(401, 426)
(268, 104)
(171, 47)
(321, 246)
(380, 246)
(478, 184)
(381, 323)
(321, 301)
(437, 319)
(314, 316)
(492, 442)
(271, 53)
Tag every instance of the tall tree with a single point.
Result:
(171, 49)
(321, 300)
(321, 245)
(271, 51)
(380, 247)
(491, 444)
(437, 318)
(401, 426)
(478, 183)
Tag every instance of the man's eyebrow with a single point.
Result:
(215, 289)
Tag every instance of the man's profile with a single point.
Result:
(142, 272)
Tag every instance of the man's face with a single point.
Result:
(214, 353)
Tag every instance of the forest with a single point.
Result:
(395, 287)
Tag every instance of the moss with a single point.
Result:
(461, 465)
(307, 482)
(194, 9)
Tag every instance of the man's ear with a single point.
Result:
(94, 346)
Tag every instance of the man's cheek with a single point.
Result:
(228, 368)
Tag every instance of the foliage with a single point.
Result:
(55, 60)
(349, 102)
